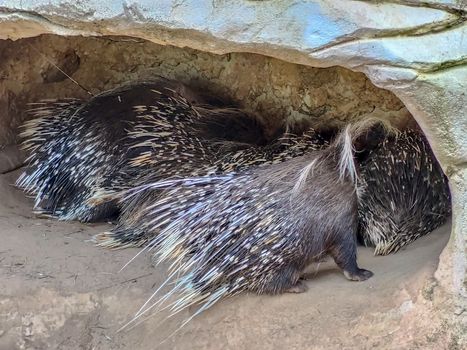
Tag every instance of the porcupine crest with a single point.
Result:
(44, 138)
(67, 151)
(254, 230)
(406, 194)
(75, 145)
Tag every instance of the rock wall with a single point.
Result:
(274, 89)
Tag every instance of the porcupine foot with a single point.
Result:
(299, 287)
(359, 275)
(345, 256)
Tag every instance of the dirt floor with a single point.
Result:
(59, 291)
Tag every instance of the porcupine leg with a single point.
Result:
(344, 254)
(299, 287)
(286, 280)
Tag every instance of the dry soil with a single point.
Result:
(59, 291)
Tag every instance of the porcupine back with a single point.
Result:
(255, 230)
(223, 157)
(76, 145)
(405, 193)
(175, 139)
(70, 145)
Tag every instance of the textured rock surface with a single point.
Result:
(400, 45)
(273, 88)
(416, 49)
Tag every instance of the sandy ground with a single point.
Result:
(59, 291)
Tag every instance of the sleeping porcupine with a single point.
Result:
(404, 193)
(74, 146)
(256, 230)
(152, 167)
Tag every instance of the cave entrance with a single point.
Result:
(42, 254)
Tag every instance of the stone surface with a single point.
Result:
(416, 49)
(417, 37)
(274, 89)
(11, 158)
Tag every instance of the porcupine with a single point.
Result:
(73, 144)
(404, 195)
(256, 230)
(224, 157)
